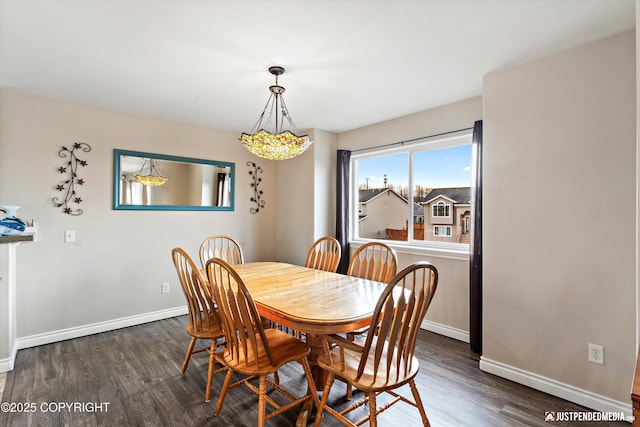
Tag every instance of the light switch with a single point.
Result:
(69, 236)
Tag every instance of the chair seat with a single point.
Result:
(284, 348)
(207, 332)
(397, 378)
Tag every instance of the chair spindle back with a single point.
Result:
(374, 261)
(202, 312)
(241, 323)
(324, 254)
(397, 317)
(223, 247)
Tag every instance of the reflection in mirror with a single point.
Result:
(159, 182)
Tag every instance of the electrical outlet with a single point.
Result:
(596, 354)
(69, 236)
(165, 287)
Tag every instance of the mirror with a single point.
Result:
(145, 181)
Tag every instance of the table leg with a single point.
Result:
(318, 346)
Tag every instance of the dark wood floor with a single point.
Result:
(136, 370)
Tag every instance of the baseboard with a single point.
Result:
(8, 363)
(565, 391)
(447, 331)
(96, 328)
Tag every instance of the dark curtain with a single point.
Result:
(220, 197)
(475, 282)
(342, 207)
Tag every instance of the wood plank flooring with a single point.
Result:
(137, 371)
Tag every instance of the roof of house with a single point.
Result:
(366, 195)
(459, 195)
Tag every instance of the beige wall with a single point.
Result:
(116, 267)
(305, 198)
(324, 185)
(458, 115)
(559, 132)
(449, 311)
(637, 176)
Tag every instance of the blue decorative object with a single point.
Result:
(9, 224)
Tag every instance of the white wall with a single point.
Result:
(116, 267)
(560, 220)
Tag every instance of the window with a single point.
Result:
(440, 230)
(418, 194)
(441, 209)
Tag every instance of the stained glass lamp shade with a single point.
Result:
(267, 138)
(154, 177)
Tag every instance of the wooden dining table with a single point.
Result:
(311, 301)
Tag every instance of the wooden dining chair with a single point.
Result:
(374, 261)
(324, 254)
(385, 361)
(252, 350)
(204, 322)
(223, 247)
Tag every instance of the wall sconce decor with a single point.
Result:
(68, 186)
(257, 194)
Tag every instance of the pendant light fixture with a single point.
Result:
(269, 138)
(154, 177)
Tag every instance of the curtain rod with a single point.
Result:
(411, 140)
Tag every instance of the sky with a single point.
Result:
(447, 167)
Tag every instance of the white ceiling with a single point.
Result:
(349, 63)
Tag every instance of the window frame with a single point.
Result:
(446, 227)
(446, 206)
(425, 144)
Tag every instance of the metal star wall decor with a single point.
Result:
(69, 184)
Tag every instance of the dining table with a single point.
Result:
(312, 301)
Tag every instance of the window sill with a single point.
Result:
(457, 253)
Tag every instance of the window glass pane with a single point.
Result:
(383, 185)
(442, 187)
(419, 194)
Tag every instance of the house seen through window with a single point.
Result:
(419, 194)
